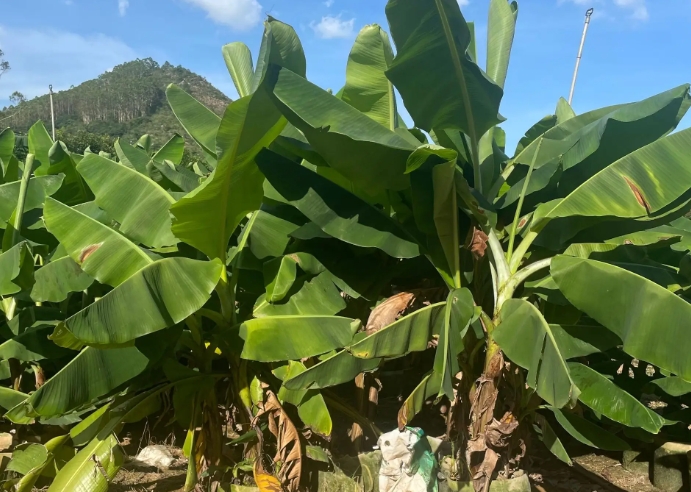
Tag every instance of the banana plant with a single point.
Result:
(555, 261)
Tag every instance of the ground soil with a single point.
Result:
(591, 472)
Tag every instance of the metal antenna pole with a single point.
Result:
(588, 14)
(52, 109)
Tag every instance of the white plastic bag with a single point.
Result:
(408, 464)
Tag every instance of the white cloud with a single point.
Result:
(333, 27)
(237, 14)
(329, 3)
(39, 58)
(637, 9)
(122, 7)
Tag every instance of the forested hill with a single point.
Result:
(127, 102)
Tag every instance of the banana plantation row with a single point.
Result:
(253, 296)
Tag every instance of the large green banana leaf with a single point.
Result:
(100, 251)
(27, 482)
(527, 340)
(564, 111)
(207, 217)
(501, 28)
(458, 311)
(605, 397)
(317, 296)
(6, 148)
(92, 468)
(637, 185)
(367, 89)
(280, 46)
(55, 280)
(73, 189)
(132, 157)
(336, 211)
(140, 206)
(32, 345)
(428, 387)
(16, 265)
(311, 405)
(37, 191)
(673, 386)
(158, 296)
(198, 121)
(91, 374)
(363, 151)
(441, 86)
(173, 150)
(582, 340)
(534, 132)
(282, 338)
(584, 145)
(588, 433)
(411, 333)
(649, 319)
(238, 59)
(39, 145)
(339, 368)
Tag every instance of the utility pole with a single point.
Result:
(52, 109)
(588, 14)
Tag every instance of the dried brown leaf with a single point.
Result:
(288, 445)
(388, 311)
(478, 243)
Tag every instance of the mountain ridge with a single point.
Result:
(125, 103)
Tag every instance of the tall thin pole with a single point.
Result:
(52, 109)
(588, 14)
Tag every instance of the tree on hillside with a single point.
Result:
(4, 65)
(17, 98)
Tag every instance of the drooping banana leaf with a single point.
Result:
(648, 318)
(349, 141)
(411, 333)
(428, 387)
(338, 369)
(441, 86)
(605, 397)
(637, 185)
(317, 296)
(586, 144)
(91, 374)
(673, 386)
(158, 296)
(588, 433)
(100, 251)
(92, 468)
(282, 338)
(57, 279)
(527, 340)
(336, 211)
(139, 205)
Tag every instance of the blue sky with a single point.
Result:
(635, 48)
